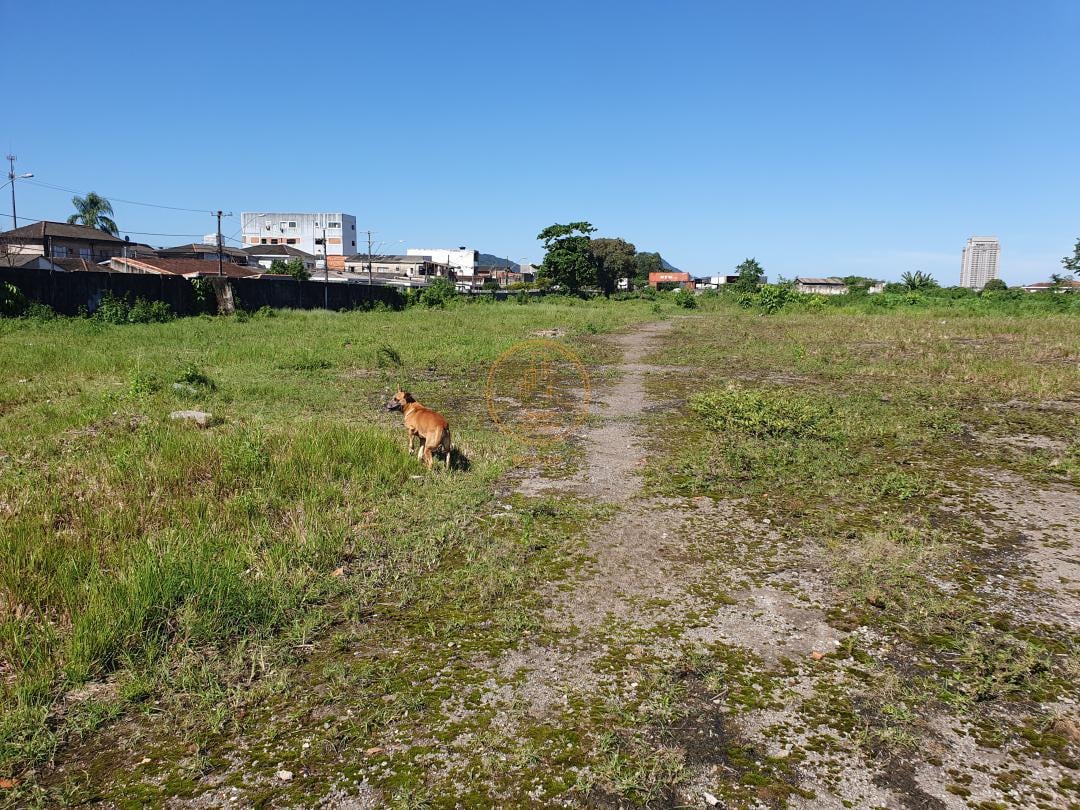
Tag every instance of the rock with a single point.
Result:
(200, 418)
(184, 388)
(816, 655)
(284, 776)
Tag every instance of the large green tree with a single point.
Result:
(568, 261)
(750, 272)
(645, 263)
(93, 211)
(614, 260)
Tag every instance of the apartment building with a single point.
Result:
(463, 261)
(979, 262)
(329, 237)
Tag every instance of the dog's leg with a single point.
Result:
(411, 437)
(428, 459)
(422, 448)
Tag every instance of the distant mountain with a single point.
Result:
(489, 260)
(668, 266)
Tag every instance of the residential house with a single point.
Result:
(61, 240)
(203, 251)
(463, 261)
(410, 266)
(266, 255)
(30, 261)
(1048, 286)
(821, 286)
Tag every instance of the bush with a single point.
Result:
(438, 293)
(490, 284)
(12, 302)
(116, 310)
(685, 298)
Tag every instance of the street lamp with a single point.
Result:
(12, 177)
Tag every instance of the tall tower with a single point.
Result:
(980, 262)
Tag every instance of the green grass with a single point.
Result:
(131, 541)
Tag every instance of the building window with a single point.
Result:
(318, 241)
(292, 224)
(84, 253)
(262, 241)
(333, 224)
(354, 243)
(273, 241)
(290, 241)
(60, 252)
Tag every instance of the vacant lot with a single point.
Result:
(825, 558)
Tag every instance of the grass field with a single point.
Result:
(152, 569)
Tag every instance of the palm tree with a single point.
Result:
(918, 280)
(93, 211)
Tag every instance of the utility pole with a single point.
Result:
(220, 255)
(326, 271)
(369, 258)
(12, 177)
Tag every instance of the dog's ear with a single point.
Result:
(409, 397)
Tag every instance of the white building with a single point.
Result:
(462, 260)
(980, 262)
(305, 232)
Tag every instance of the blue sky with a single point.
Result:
(823, 138)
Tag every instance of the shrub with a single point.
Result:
(438, 293)
(490, 284)
(685, 298)
(116, 310)
(771, 298)
(12, 302)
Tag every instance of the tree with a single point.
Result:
(917, 281)
(645, 263)
(293, 267)
(1072, 263)
(93, 211)
(750, 273)
(568, 261)
(614, 260)
(995, 284)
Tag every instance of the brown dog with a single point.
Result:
(430, 426)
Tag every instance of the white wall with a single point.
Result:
(463, 261)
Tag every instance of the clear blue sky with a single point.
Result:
(823, 138)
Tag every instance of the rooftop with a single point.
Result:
(183, 267)
(829, 281)
(40, 230)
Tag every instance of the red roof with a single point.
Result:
(181, 267)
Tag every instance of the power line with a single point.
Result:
(110, 198)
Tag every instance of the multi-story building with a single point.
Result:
(462, 261)
(330, 237)
(980, 262)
